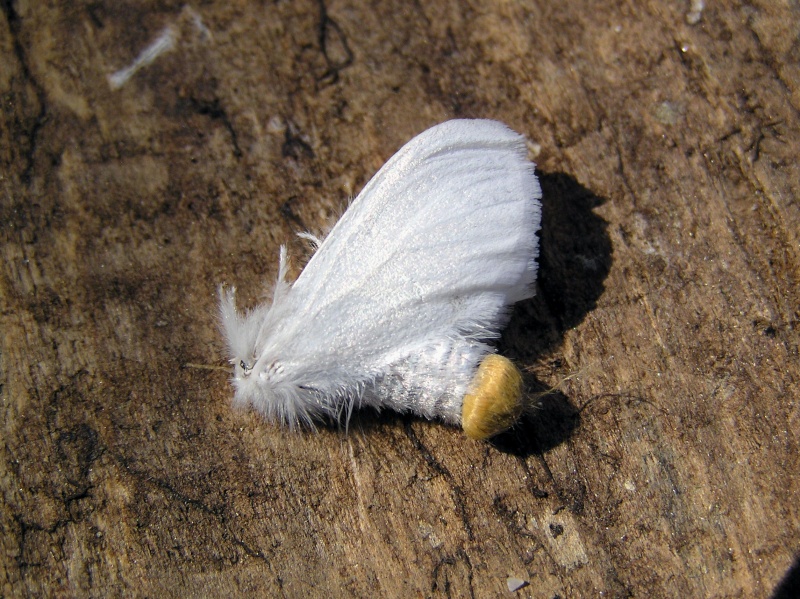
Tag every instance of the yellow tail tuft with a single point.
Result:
(494, 399)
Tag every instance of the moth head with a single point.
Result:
(260, 378)
(242, 333)
(254, 372)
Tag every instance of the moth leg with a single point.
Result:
(493, 401)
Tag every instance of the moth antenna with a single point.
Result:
(228, 314)
(311, 238)
(281, 286)
(283, 264)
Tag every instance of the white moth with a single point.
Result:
(400, 303)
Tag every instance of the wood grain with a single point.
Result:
(665, 462)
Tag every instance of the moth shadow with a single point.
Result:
(547, 422)
(575, 258)
(789, 586)
(574, 261)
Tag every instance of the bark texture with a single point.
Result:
(666, 464)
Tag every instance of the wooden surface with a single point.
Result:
(666, 465)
